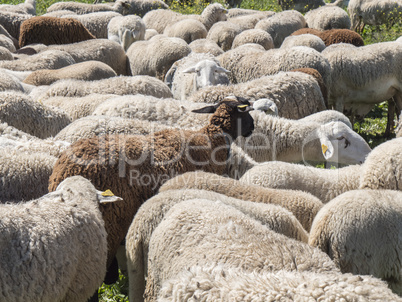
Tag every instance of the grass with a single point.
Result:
(372, 127)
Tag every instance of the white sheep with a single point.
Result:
(217, 283)
(327, 17)
(302, 205)
(60, 13)
(325, 184)
(308, 40)
(54, 248)
(10, 82)
(248, 21)
(373, 12)
(160, 18)
(96, 23)
(151, 213)
(210, 233)
(155, 56)
(123, 85)
(277, 138)
(86, 71)
(206, 46)
(360, 231)
(25, 174)
(21, 112)
(254, 35)
(120, 6)
(223, 33)
(50, 59)
(327, 116)
(281, 25)
(187, 29)
(126, 30)
(296, 94)
(193, 72)
(11, 22)
(103, 50)
(27, 7)
(7, 43)
(247, 63)
(383, 167)
(364, 76)
(5, 33)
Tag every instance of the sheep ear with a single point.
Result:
(169, 76)
(207, 109)
(107, 196)
(327, 148)
(189, 70)
(220, 69)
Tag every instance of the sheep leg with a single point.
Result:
(390, 118)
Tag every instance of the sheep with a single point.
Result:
(246, 64)
(11, 137)
(302, 6)
(4, 33)
(10, 82)
(308, 40)
(249, 21)
(325, 184)
(149, 216)
(302, 205)
(103, 50)
(63, 239)
(27, 177)
(219, 283)
(51, 59)
(206, 46)
(7, 43)
(327, 17)
(90, 126)
(236, 12)
(333, 36)
(210, 233)
(223, 33)
(277, 138)
(5, 54)
(296, 94)
(126, 30)
(382, 168)
(266, 105)
(317, 76)
(154, 157)
(51, 30)
(123, 85)
(281, 25)
(373, 12)
(160, 18)
(360, 230)
(149, 33)
(87, 71)
(364, 76)
(21, 112)
(156, 56)
(194, 72)
(27, 7)
(77, 107)
(11, 22)
(257, 36)
(96, 23)
(120, 6)
(187, 29)
(327, 116)
(60, 13)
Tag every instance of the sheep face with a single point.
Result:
(232, 115)
(208, 73)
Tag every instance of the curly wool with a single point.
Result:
(21, 112)
(53, 248)
(257, 36)
(327, 17)
(218, 283)
(360, 231)
(206, 46)
(208, 233)
(333, 36)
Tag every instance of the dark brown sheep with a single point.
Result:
(318, 77)
(52, 30)
(333, 36)
(134, 167)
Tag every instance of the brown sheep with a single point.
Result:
(135, 166)
(333, 36)
(52, 30)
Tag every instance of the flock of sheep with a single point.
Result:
(180, 149)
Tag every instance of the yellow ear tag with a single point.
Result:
(107, 193)
(242, 106)
(324, 148)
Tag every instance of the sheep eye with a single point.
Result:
(347, 143)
